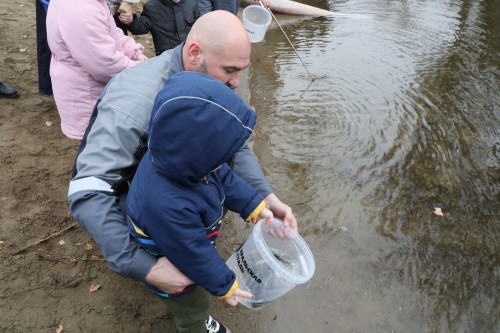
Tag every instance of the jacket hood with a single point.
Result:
(196, 125)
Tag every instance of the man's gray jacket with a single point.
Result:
(111, 149)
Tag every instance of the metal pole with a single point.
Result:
(288, 39)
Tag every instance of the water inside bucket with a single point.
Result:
(272, 261)
(256, 16)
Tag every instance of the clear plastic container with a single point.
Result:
(272, 261)
(256, 19)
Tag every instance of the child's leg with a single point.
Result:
(190, 311)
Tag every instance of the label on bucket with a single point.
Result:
(243, 265)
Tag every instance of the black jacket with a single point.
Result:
(169, 22)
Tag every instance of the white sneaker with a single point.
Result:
(213, 326)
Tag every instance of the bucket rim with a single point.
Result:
(264, 10)
(278, 267)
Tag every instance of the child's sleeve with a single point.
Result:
(85, 31)
(240, 197)
(256, 211)
(142, 24)
(231, 290)
(180, 234)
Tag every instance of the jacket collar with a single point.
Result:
(176, 62)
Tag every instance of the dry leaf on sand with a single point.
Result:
(59, 329)
(61, 242)
(438, 211)
(94, 287)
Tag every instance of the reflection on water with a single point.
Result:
(406, 119)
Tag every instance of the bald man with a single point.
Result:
(116, 139)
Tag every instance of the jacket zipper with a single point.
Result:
(205, 181)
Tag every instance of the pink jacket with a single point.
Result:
(87, 50)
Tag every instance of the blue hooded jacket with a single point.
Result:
(176, 199)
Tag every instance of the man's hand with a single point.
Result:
(166, 277)
(281, 211)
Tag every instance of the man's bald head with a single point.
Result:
(217, 45)
(218, 29)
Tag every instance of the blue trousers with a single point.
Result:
(43, 51)
(205, 6)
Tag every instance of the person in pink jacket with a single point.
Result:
(87, 50)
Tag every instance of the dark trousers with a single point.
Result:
(229, 5)
(190, 311)
(43, 51)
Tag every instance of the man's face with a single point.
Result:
(225, 67)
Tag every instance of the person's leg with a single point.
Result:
(205, 6)
(190, 311)
(43, 51)
(231, 6)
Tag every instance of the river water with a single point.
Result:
(403, 117)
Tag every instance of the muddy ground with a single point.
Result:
(48, 263)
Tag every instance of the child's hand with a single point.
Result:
(125, 18)
(141, 57)
(265, 214)
(240, 293)
(126, 12)
(125, 7)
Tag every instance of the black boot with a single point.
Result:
(7, 92)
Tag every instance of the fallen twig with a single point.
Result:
(91, 259)
(63, 259)
(45, 239)
(47, 257)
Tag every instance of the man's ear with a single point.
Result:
(194, 54)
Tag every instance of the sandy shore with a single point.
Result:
(46, 286)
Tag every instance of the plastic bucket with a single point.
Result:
(272, 261)
(256, 19)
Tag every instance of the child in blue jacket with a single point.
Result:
(176, 199)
